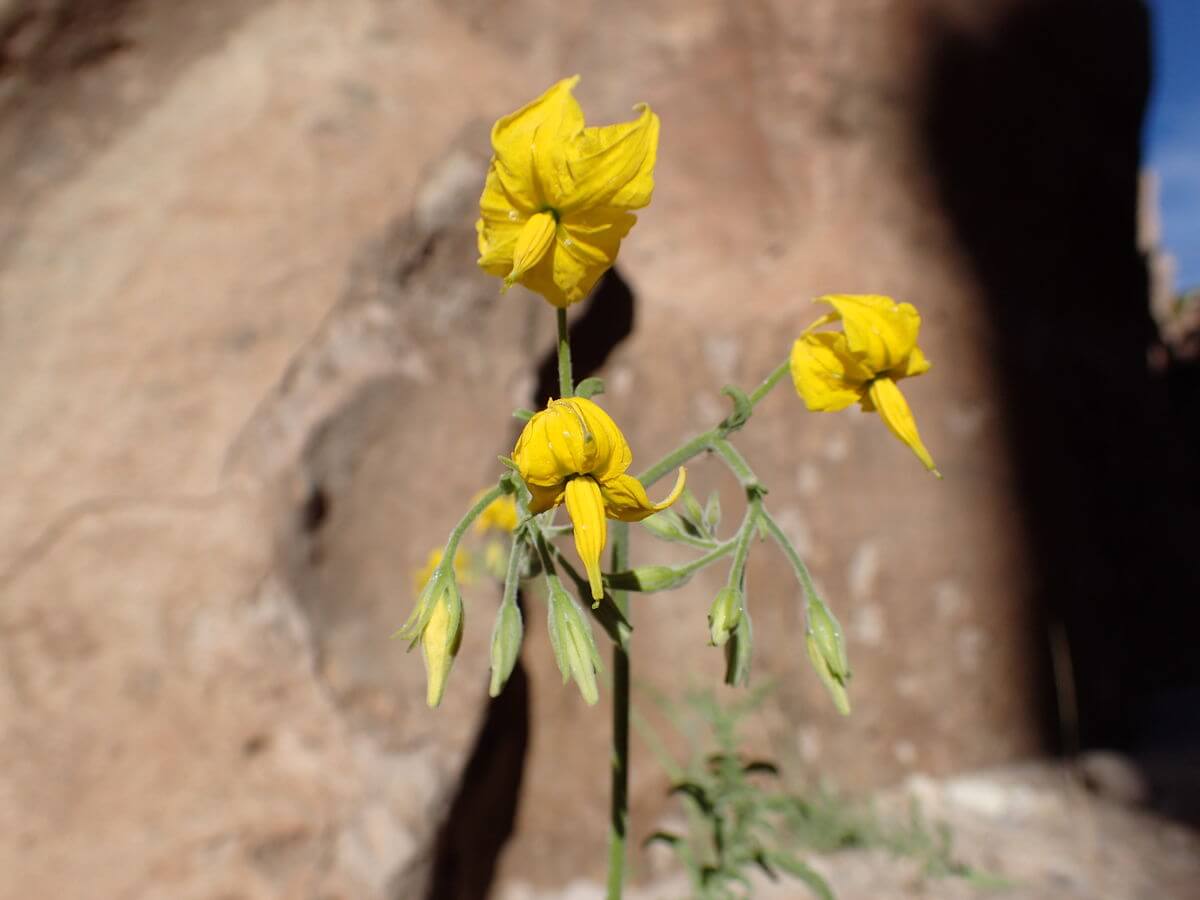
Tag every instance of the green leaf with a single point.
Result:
(662, 837)
(590, 387)
(523, 414)
(805, 873)
(742, 409)
(760, 766)
(698, 794)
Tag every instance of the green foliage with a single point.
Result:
(742, 816)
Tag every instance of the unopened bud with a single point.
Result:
(691, 508)
(739, 651)
(648, 579)
(665, 525)
(827, 650)
(506, 645)
(724, 614)
(440, 641)
(574, 647)
(712, 512)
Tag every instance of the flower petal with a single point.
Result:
(585, 248)
(544, 498)
(613, 166)
(613, 455)
(887, 400)
(625, 498)
(536, 236)
(827, 377)
(570, 437)
(880, 331)
(529, 145)
(496, 246)
(586, 509)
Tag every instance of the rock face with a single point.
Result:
(253, 376)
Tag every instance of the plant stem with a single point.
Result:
(566, 383)
(769, 382)
(619, 806)
(742, 551)
(465, 522)
(678, 457)
(702, 442)
(736, 462)
(789, 551)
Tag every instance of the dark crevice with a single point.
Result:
(483, 814)
(1033, 133)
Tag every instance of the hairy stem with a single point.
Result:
(566, 383)
(702, 442)
(619, 806)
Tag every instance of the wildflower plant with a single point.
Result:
(557, 202)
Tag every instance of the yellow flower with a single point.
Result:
(573, 452)
(558, 196)
(499, 515)
(878, 347)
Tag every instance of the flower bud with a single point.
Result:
(574, 647)
(692, 510)
(724, 614)
(440, 640)
(712, 512)
(827, 651)
(648, 579)
(739, 651)
(666, 526)
(506, 645)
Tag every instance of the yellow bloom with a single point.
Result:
(499, 515)
(558, 196)
(861, 364)
(573, 452)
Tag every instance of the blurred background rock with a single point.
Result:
(252, 375)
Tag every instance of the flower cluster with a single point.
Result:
(556, 204)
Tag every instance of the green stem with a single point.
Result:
(702, 442)
(512, 578)
(742, 551)
(619, 806)
(789, 551)
(722, 549)
(566, 383)
(465, 522)
(769, 382)
(678, 457)
(737, 463)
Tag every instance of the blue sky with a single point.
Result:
(1172, 136)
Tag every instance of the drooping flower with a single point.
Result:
(572, 452)
(558, 195)
(862, 363)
